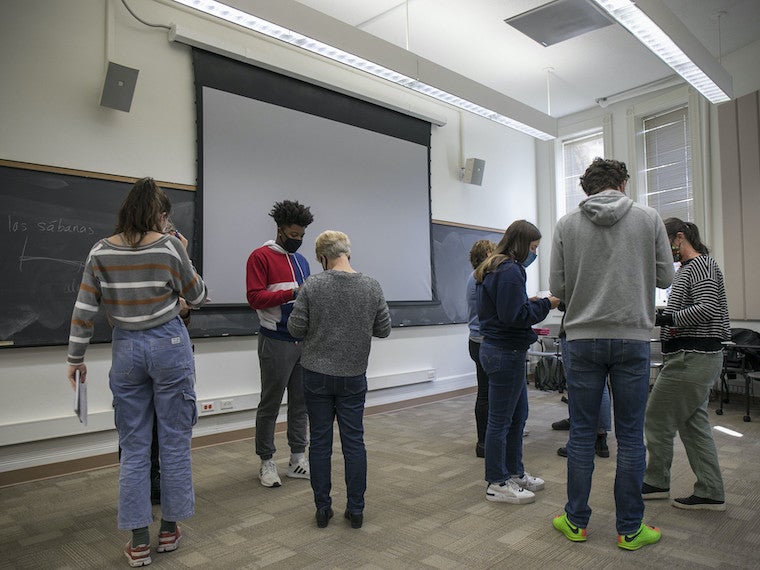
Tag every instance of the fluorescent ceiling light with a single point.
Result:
(644, 28)
(272, 30)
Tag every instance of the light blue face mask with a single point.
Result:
(530, 259)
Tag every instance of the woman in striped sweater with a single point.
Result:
(138, 275)
(692, 328)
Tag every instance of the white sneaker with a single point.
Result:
(527, 481)
(509, 492)
(268, 474)
(300, 469)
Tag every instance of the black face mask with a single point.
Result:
(291, 245)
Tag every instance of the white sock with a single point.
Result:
(295, 458)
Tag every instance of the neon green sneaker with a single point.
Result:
(572, 532)
(645, 535)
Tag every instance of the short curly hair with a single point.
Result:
(603, 174)
(480, 250)
(291, 212)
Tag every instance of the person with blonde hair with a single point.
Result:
(337, 313)
(139, 275)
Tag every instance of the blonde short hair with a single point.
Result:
(331, 243)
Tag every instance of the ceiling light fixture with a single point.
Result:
(660, 31)
(256, 24)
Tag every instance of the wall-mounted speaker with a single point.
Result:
(473, 171)
(119, 87)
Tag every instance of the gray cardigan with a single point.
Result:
(336, 314)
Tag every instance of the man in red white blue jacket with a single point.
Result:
(273, 274)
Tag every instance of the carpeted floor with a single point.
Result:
(426, 507)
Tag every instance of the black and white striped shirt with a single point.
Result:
(699, 309)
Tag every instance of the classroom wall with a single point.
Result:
(54, 57)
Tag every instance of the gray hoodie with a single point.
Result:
(608, 256)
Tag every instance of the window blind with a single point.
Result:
(577, 154)
(667, 163)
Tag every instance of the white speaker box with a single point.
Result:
(473, 171)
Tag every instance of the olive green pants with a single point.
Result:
(678, 402)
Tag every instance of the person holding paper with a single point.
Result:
(608, 256)
(506, 316)
(273, 274)
(138, 275)
(337, 313)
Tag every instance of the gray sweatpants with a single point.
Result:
(678, 402)
(280, 364)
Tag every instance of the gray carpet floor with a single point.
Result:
(426, 507)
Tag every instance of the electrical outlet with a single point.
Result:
(208, 407)
(228, 404)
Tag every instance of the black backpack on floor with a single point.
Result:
(550, 374)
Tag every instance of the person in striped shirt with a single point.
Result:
(138, 276)
(692, 328)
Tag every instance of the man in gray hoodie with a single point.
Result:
(608, 256)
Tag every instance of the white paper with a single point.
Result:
(80, 399)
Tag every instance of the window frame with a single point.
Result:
(569, 133)
(668, 101)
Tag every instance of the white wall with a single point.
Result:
(54, 56)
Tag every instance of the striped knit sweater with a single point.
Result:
(699, 309)
(138, 286)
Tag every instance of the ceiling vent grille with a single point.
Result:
(559, 20)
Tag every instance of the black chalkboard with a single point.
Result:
(451, 267)
(49, 221)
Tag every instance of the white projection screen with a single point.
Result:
(373, 186)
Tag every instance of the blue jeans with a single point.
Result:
(328, 397)
(626, 362)
(605, 419)
(152, 375)
(507, 411)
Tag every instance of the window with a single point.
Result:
(667, 164)
(577, 154)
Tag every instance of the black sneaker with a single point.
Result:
(699, 503)
(562, 425)
(562, 452)
(651, 492)
(601, 445)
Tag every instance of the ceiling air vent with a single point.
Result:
(559, 20)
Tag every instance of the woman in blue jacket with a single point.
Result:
(506, 316)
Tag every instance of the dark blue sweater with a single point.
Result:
(504, 310)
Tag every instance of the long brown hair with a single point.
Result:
(515, 245)
(141, 211)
